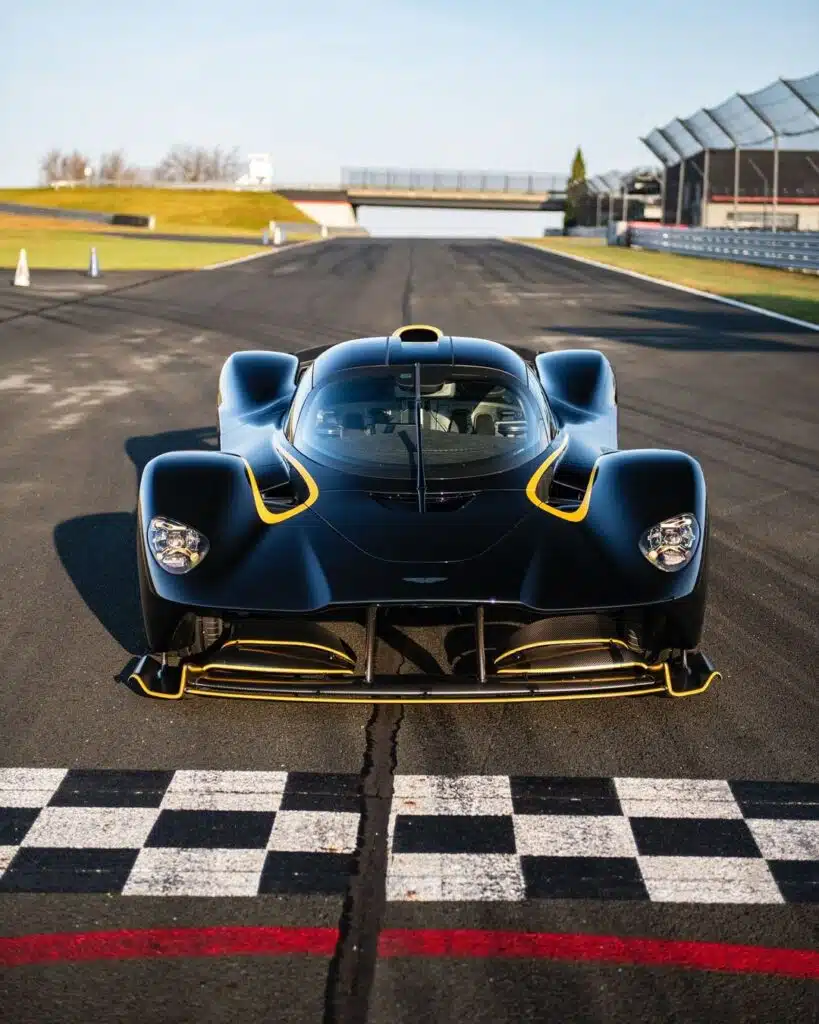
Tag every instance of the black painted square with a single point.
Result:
(293, 873)
(532, 794)
(15, 823)
(453, 833)
(693, 837)
(111, 788)
(322, 791)
(591, 878)
(798, 880)
(793, 801)
(212, 830)
(40, 869)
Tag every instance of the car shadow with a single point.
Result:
(99, 551)
(721, 329)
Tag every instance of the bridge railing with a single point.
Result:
(788, 249)
(411, 180)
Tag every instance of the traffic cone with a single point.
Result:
(324, 231)
(278, 235)
(21, 274)
(265, 237)
(93, 264)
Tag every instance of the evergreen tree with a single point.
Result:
(575, 189)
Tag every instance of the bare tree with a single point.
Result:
(50, 166)
(198, 163)
(73, 165)
(114, 166)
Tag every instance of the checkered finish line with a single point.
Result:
(465, 838)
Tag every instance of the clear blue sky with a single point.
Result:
(321, 84)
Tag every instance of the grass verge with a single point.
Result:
(781, 291)
(175, 209)
(70, 250)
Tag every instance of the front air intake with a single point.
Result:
(417, 332)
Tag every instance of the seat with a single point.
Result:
(462, 421)
(484, 424)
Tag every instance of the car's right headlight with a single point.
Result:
(177, 548)
(671, 544)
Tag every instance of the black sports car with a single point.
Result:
(421, 486)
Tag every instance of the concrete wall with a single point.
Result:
(334, 214)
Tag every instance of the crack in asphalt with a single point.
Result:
(352, 969)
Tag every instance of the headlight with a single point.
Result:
(670, 545)
(176, 547)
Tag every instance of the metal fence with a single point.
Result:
(790, 250)
(409, 180)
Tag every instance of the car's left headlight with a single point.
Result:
(671, 544)
(177, 548)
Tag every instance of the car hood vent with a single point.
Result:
(450, 500)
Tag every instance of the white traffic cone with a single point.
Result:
(278, 235)
(21, 275)
(324, 231)
(93, 264)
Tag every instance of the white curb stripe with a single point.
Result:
(669, 284)
(260, 255)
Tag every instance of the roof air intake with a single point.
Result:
(417, 332)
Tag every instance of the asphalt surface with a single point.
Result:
(96, 383)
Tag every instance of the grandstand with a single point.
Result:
(751, 162)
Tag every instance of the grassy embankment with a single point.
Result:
(58, 243)
(782, 291)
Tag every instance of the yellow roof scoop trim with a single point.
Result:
(401, 331)
(265, 514)
(576, 515)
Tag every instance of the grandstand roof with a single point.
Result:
(787, 109)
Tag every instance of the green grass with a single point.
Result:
(174, 209)
(782, 291)
(70, 250)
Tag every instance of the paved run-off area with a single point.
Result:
(96, 383)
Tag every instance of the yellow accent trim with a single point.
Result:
(691, 693)
(289, 643)
(198, 670)
(329, 699)
(156, 693)
(425, 327)
(578, 514)
(265, 514)
(557, 643)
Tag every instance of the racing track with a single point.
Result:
(95, 384)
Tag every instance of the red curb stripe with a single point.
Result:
(165, 942)
(706, 956)
(396, 942)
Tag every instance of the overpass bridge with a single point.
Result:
(424, 189)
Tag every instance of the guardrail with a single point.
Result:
(795, 250)
(409, 180)
(130, 220)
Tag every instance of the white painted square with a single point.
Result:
(29, 787)
(709, 880)
(178, 872)
(455, 876)
(225, 791)
(569, 835)
(6, 856)
(90, 827)
(677, 798)
(441, 794)
(314, 832)
(785, 840)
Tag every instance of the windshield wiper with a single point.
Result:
(420, 483)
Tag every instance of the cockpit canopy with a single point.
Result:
(473, 421)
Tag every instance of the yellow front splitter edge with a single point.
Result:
(156, 681)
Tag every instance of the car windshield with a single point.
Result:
(473, 422)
